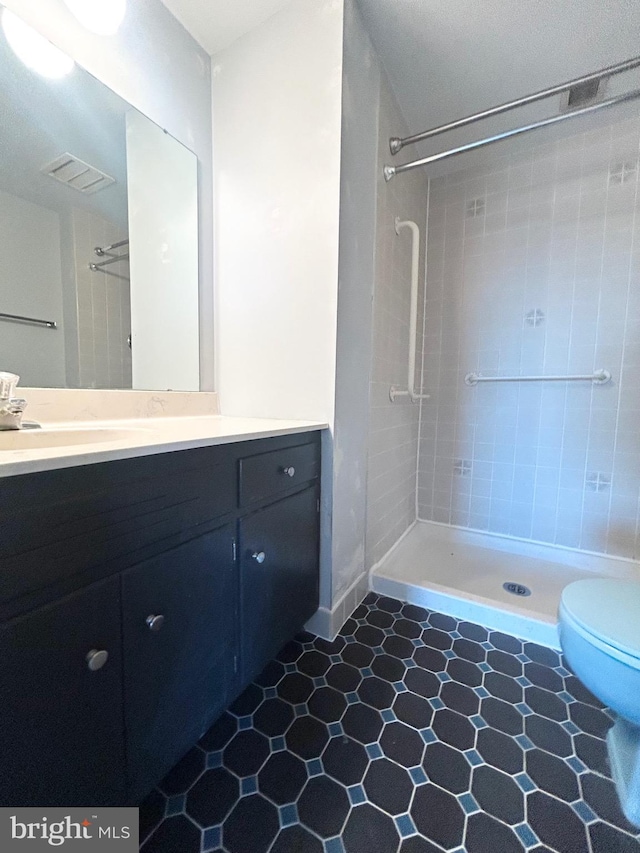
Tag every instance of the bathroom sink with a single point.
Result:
(32, 439)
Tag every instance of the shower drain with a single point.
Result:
(516, 588)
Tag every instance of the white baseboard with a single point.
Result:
(326, 623)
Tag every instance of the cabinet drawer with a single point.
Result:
(268, 474)
(89, 517)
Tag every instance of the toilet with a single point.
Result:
(600, 637)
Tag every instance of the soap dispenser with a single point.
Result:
(11, 407)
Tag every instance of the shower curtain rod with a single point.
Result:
(396, 144)
(390, 171)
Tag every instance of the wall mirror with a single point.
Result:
(98, 231)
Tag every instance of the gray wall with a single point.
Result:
(360, 87)
(31, 286)
(533, 268)
(153, 63)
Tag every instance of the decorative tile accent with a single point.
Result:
(406, 826)
(584, 812)
(462, 467)
(534, 318)
(476, 207)
(622, 172)
(460, 783)
(418, 775)
(468, 803)
(211, 838)
(288, 815)
(175, 805)
(525, 782)
(214, 759)
(249, 785)
(576, 765)
(525, 835)
(596, 481)
(356, 794)
(473, 757)
(374, 751)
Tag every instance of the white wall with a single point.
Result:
(277, 126)
(154, 64)
(162, 183)
(31, 285)
(277, 116)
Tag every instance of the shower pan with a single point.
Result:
(526, 473)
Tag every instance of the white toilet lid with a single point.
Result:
(608, 609)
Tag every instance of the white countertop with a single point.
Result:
(142, 437)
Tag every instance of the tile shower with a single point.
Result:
(533, 263)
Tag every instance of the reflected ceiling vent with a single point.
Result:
(584, 94)
(77, 174)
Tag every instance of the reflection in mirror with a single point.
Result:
(98, 234)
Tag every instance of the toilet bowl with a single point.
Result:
(599, 625)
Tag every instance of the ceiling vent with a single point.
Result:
(584, 94)
(77, 174)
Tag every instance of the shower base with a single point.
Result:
(462, 572)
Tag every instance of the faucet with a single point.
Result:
(12, 407)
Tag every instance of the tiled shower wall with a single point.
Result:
(393, 427)
(103, 305)
(534, 268)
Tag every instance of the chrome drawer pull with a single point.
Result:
(97, 659)
(155, 622)
(258, 556)
(290, 471)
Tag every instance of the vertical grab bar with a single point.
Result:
(394, 391)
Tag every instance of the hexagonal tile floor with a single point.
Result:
(411, 733)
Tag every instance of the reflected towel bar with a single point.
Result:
(18, 318)
(104, 250)
(598, 377)
(98, 267)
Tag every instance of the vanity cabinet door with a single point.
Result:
(180, 651)
(61, 722)
(279, 576)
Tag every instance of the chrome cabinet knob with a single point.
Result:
(97, 659)
(258, 556)
(155, 622)
(290, 471)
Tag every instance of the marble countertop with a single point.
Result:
(124, 439)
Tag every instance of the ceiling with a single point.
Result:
(215, 24)
(42, 119)
(449, 58)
